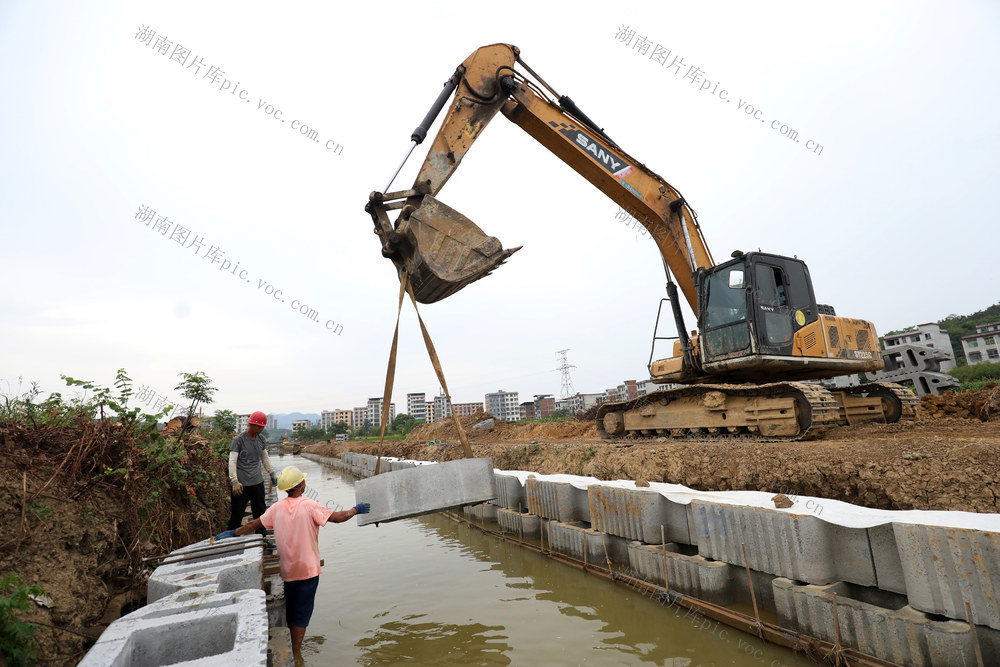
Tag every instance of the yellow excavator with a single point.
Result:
(760, 334)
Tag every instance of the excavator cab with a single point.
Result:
(440, 249)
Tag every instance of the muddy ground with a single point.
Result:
(941, 461)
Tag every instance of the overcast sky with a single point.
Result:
(895, 215)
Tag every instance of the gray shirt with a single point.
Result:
(248, 463)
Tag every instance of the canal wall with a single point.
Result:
(208, 604)
(908, 587)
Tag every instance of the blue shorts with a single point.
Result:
(299, 598)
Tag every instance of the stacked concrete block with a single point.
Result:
(638, 514)
(795, 546)
(573, 539)
(193, 627)
(559, 501)
(885, 556)
(691, 575)
(946, 567)
(510, 492)
(426, 489)
(279, 648)
(222, 567)
(897, 633)
(482, 512)
(526, 526)
(918, 364)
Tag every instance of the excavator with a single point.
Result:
(761, 338)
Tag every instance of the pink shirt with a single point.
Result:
(296, 523)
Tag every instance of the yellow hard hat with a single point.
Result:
(289, 478)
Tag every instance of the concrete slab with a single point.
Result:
(525, 526)
(217, 567)
(795, 546)
(484, 512)
(194, 627)
(510, 492)
(885, 554)
(426, 489)
(691, 575)
(575, 539)
(946, 567)
(638, 514)
(896, 633)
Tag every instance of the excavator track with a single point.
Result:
(776, 412)
(894, 401)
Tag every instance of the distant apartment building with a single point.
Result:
(242, 421)
(272, 421)
(982, 345)
(416, 405)
(579, 402)
(301, 425)
(504, 405)
(358, 416)
(326, 419)
(930, 335)
(543, 406)
(345, 416)
(466, 409)
(373, 411)
(442, 407)
(429, 412)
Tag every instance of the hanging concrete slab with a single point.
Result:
(402, 494)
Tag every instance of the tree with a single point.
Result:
(561, 413)
(225, 421)
(197, 388)
(338, 427)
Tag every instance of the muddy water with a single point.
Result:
(432, 591)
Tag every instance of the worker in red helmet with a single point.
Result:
(247, 455)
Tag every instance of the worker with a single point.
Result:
(247, 454)
(296, 521)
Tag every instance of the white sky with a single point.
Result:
(894, 219)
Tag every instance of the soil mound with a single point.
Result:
(982, 404)
(501, 431)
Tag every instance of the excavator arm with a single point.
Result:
(442, 251)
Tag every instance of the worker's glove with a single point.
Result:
(363, 508)
(237, 487)
(274, 481)
(226, 533)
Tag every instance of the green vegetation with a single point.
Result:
(978, 375)
(400, 426)
(17, 643)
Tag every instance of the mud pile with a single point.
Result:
(982, 404)
(501, 431)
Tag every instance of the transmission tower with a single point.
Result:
(567, 382)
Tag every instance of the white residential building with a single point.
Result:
(327, 419)
(982, 345)
(442, 407)
(359, 415)
(930, 335)
(301, 425)
(242, 421)
(416, 405)
(373, 411)
(504, 405)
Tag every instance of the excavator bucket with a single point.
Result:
(441, 250)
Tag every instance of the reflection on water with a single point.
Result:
(433, 591)
(434, 643)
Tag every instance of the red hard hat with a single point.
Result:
(258, 419)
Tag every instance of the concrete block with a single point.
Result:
(559, 501)
(885, 554)
(575, 539)
(274, 592)
(510, 492)
(688, 574)
(426, 489)
(193, 627)
(638, 514)
(484, 512)
(219, 567)
(525, 526)
(795, 546)
(874, 622)
(946, 567)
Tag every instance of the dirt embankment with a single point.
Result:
(941, 463)
(81, 504)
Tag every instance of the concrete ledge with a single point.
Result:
(193, 627)
(883, 626)
(795, 546)
(690, 575)
(638, 514)
(218, 568)
(526, 526)
(946, 567)
(279, 648)
(426, 489)
(558, 501)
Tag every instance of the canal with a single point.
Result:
(435, 591)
